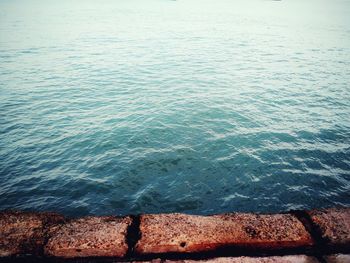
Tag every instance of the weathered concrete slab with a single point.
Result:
(24, 232)
(339, 258)
(275, 259)
(90, 237)
(334, 225)
(165, 233)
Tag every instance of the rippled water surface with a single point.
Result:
(192, 106)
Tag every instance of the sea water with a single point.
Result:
(195, 106)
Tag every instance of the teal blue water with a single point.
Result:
(123, 107)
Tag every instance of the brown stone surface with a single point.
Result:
(90, 237)
(334, 224)
(24, 232)
(275, 259)
(339, 258)
(165, 233)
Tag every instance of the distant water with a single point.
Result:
(196, 106)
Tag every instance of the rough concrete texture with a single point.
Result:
(89, 237)
(334, 225)
(339, 258)
(275, 259)
(166, 233)
(24, 232)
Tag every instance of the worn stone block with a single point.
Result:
(334, 225)
(24, 232)
(165, 233)
(89, 237)
(273, 259)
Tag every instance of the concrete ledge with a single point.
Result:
(333, 225)
(166, 233)
(89, 237)
(24, 233)
(179, 237)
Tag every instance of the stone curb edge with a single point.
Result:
(51, 236)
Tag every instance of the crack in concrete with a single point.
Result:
(133, 236)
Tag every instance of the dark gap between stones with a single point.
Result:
(310, 226)
(47, 224)
(133, 235)
(320, 245)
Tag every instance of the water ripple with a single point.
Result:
(205, 108)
